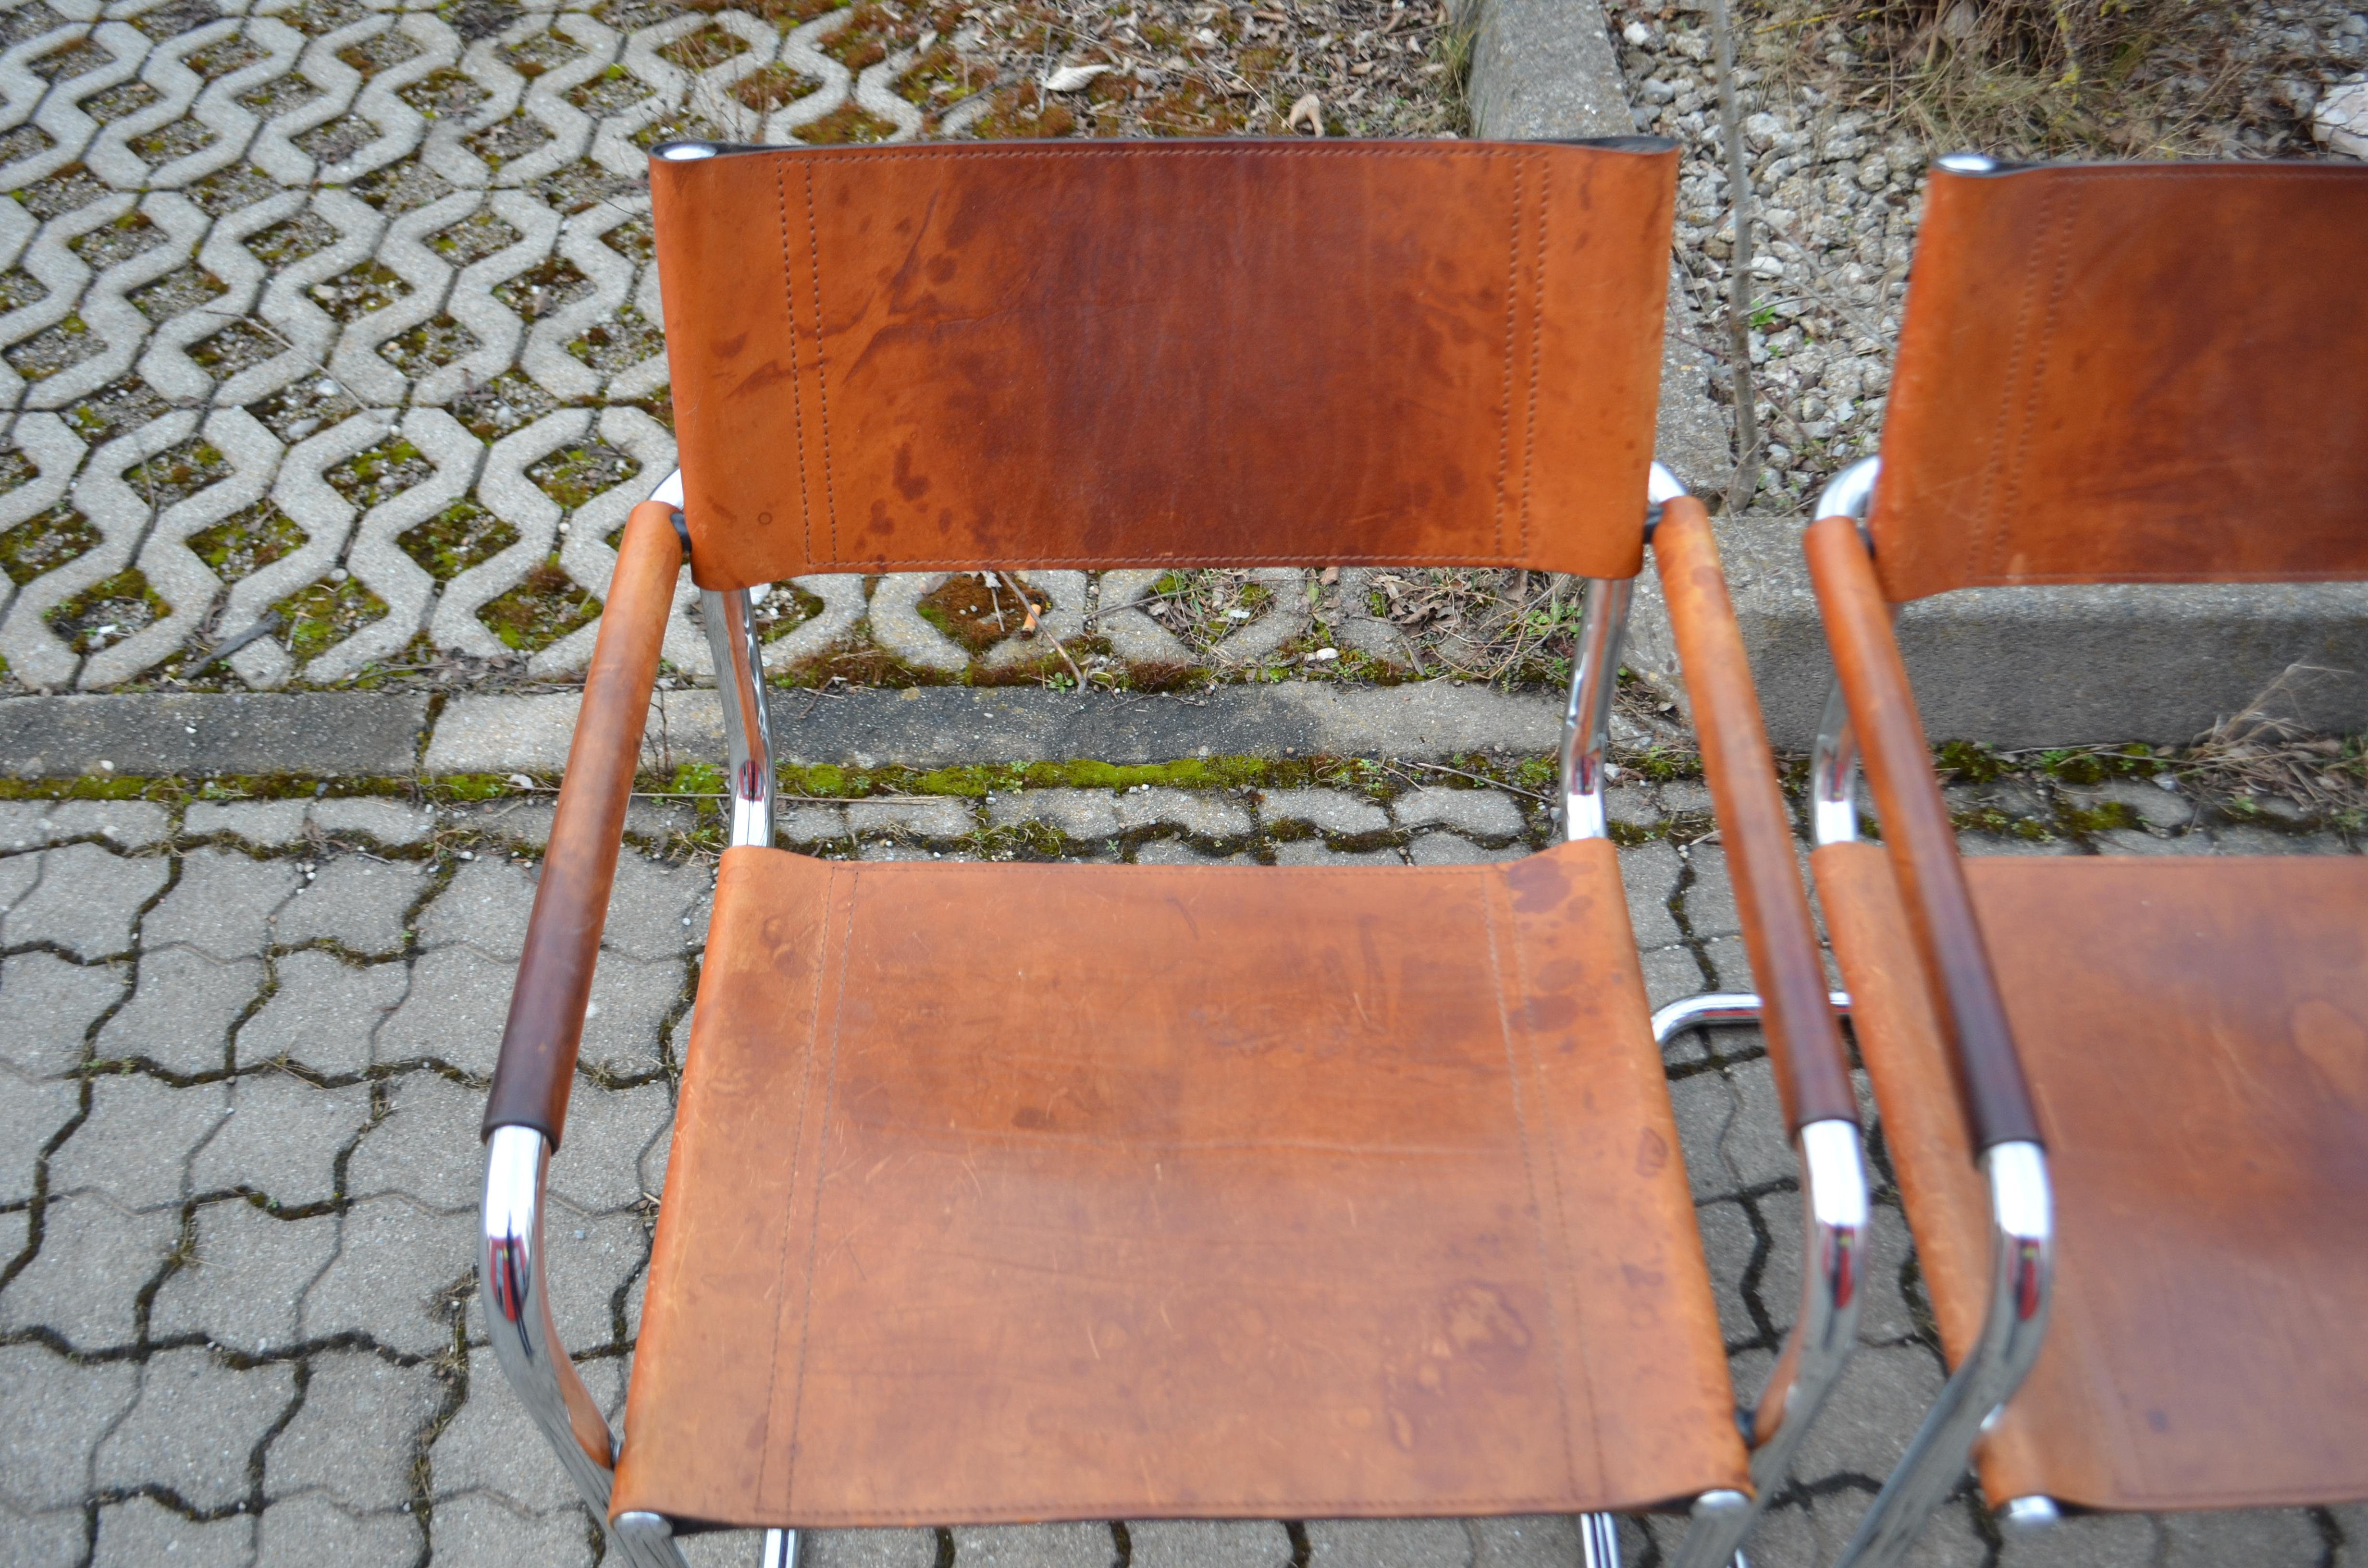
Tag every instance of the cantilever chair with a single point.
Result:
(1025, 1192)
(2159, 1066)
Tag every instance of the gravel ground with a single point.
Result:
(1838, 178)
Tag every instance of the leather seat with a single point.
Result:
(1033, 1191)
(2195, 1037)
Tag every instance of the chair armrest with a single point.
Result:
(571, 904)
(1917, 835)
(1805, 1046)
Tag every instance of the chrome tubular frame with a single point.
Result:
(514, 1290)
(1586, 723)
(780, 1549)
(1595, 676)
(1833, 766)
(1720, 1007)
(2023, 1272)
(731, 617)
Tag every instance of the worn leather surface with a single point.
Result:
(2141, 372)
(1033, 1192)
(2196, 1033)
(908, 358)
(571, 901)
(1922, 842)
(1754, 823)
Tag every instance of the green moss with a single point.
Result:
(1971, 761)
(2098, 818)
(461, 536)
(247, 541)
(45, 543)
(545, 606)
(326, 613)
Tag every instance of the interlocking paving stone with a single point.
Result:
(222, 904)
(130, 1113)
(181, 1010)
(1034, 1546)
(140, 1531)
(866, 1549)
(243, 1282)
(1388, 1543)
(1451, 850)
(326, 1013)
(1481, 813)
(300, 1531)
(366, 1291)
(127, 825)
(479, 1531)
(1208, 1543)
(82, 1284)
(58, 1412)
(85, 902)
(1072, 813)
(1203, 813)
(266, 823)
(395, 1262)
(196, 1424)
(317, 734)
(281, 1139)
(32, 1113)
(426, 1146)
(1327, 811)
(354, 1440)
(356, 900)
(485, 908)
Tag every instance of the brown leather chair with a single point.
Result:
(1023, 1192)
(2110, 374)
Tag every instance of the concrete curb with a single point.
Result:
(2012, 667)
(337, 735)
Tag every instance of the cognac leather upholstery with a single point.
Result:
(1198, 353)
(1028, 1192)
(2146, 372)
(2196, 1036)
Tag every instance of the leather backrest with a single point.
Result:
(2131, 373)
(1109, 354)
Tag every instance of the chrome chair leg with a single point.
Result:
(1720, 1518)
(780, 1549)
(2022, 1271)
(514, 1292)
(1598, 1541)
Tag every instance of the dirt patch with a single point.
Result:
(979, 609)
(108, 612)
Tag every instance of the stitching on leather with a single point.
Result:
(1547, 1262)
(797, 1151)
(976, 563)
(821, 1155)
(1537, 334)
(2012, 492)
(1512, 303)
(797, 391)
(1561, 1220)
(1980, 540)
(822, 380)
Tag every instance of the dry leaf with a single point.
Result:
(1072, 78)
(1309, 109)
(1331, 575)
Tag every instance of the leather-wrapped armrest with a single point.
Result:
(571, 904)
(1811, 1072)
(1918, 836)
